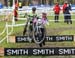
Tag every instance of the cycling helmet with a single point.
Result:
(34, 9)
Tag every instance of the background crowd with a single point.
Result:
(66, 8)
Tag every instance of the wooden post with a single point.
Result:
(11, 39)
(74, 38)
(1, 51)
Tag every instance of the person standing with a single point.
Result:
(16, 10)
(15, 14)
(56, 12)
(66, 11)
(64, 7)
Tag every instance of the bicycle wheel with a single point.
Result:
(38, 35)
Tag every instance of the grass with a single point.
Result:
(60, 28)
(42, 57)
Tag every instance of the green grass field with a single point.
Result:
(60, 28)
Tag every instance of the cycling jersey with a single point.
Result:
(32, 16)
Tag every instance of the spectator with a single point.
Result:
(64, 6)
(16, 10)
(15, 13)
(56, 11)
(66, 11)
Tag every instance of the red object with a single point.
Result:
(57, 9)
(16, 5)
(64, 6)
(15, 13)
(15, 10)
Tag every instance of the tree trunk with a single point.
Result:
(11, 2)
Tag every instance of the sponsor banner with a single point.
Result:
(21, 39)
(39, 51)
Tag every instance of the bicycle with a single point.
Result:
(37, 29)
(39, 32)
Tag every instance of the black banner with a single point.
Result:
(21, 39)
(39, 51)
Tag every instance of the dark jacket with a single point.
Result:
(67, 9)
(15, 13)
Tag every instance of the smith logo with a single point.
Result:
(39, 51)
(47, 38)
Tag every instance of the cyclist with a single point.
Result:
(30, 19)
(44, 22)
(29, 16)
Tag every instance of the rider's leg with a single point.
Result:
(25, 28)
(31, 28)
(30, 32)
(43, 32)
(43, 42)
(40, 45)
(44, 36)
(35, 29)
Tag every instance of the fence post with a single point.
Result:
(7, 31)
(74, 38)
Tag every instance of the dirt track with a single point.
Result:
(51, 31)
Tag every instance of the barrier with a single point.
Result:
(8, 33)
(25, 39)
(5, 12)
(48, 51)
